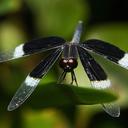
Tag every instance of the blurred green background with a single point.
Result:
(23, 20)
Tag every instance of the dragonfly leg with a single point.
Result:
(62, 77)
(73, 76)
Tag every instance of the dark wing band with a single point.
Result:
(94, 71)
(109, 51)
(31, 47)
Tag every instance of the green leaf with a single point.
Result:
(59, 94)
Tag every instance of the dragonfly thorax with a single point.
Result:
(68, 64)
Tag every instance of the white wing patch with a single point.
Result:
(102, 84)
(30, 81)
(123, 62)
(18, 52)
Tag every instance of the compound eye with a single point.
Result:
(70, 61)
(63, 63)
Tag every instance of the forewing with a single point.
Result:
(32, 80)
(31, 47)
(108, 50)
(98, 79)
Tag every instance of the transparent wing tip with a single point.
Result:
(114, 113)
(14, 104)
(12, 107)
(112, 109)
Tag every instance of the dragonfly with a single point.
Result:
(69, 52)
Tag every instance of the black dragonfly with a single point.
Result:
(69, 52)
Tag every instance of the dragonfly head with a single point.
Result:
(68, 64)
